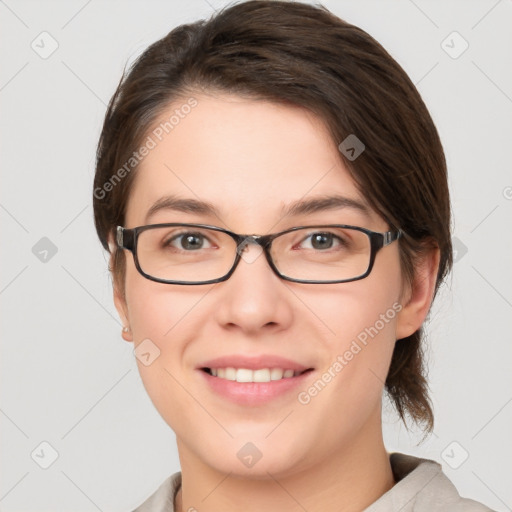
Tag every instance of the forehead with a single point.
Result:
(248, 158)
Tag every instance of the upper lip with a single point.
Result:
(254, 362)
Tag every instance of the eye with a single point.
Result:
(188, 241)
(323, 240)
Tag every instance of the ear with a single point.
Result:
(419, 295)
(119, 298)
(122, 309)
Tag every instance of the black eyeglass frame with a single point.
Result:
(127, 238)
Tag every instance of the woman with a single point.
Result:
(282, 190)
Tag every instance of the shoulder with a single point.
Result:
(162, 500)
(422, 486)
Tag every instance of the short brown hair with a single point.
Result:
(299, 54)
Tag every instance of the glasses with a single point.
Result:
(191, 254)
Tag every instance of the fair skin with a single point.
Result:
(249, 158)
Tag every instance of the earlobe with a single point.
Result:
(122, 309)
(421, 292)
(126, 333)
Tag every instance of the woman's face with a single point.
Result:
(250, 159)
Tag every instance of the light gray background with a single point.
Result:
(68, 378)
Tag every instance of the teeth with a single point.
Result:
(276, 374)
(246, 375)
(230, 374)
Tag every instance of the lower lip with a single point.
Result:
(253, 393)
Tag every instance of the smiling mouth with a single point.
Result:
(259, 375)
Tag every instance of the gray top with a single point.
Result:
(421, 486)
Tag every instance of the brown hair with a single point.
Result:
(299, 54)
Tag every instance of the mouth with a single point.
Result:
(257, 375)
(254, 387)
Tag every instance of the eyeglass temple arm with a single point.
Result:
(125, 238)
(391, 236)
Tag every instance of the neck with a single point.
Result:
(348, 480)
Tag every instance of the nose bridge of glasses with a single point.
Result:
(249, 239)
(251, 256)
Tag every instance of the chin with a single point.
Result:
(243, 458)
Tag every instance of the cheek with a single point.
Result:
(359, 320)
(162, 322)
(351, 381)
(167, 319)
(362, 310)
(363, 340)
(158, 311)
(346, 395)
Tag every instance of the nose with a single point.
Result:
(254, 297)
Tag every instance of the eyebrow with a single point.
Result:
(301, 207)
(185, 205)
(320, 204)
